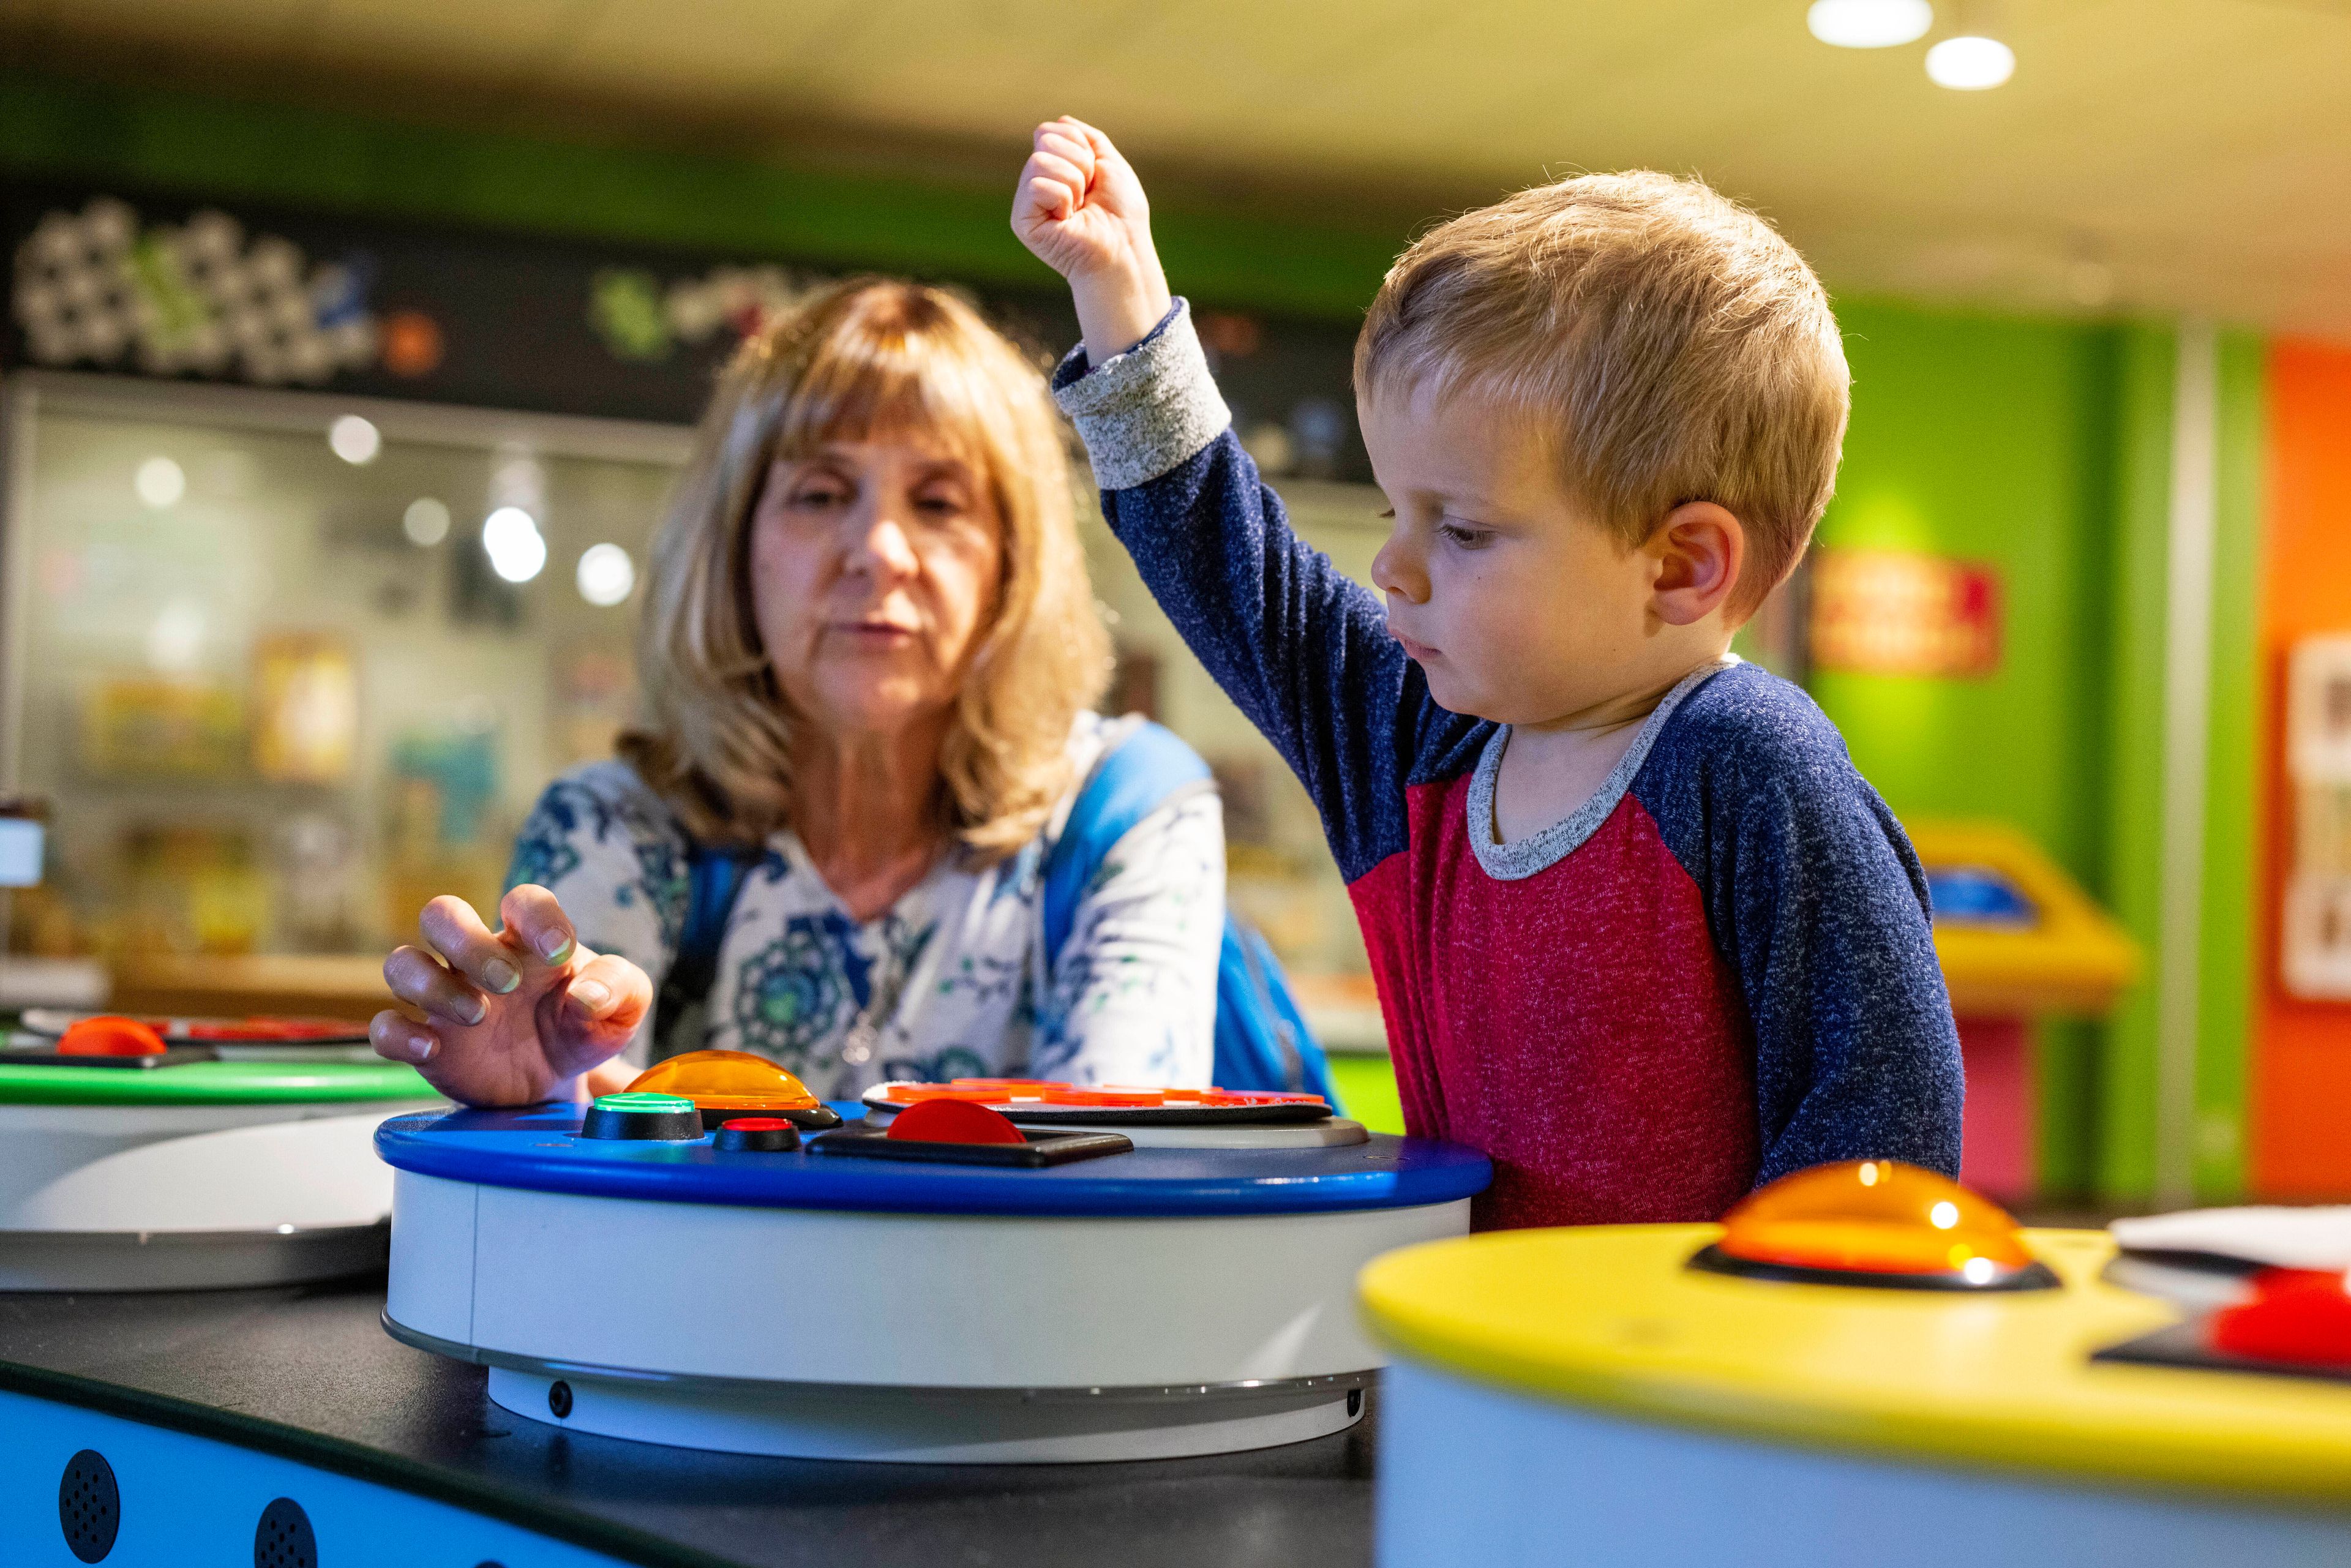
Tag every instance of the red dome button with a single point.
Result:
(954, 1122)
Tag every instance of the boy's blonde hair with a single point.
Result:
(860, 362)
(1667, 343)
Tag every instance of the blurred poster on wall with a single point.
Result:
(2315, 960)
(306, 709)
(144, 726)
(595, 698)
(1904, 612)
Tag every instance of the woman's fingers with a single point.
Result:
(458, 935)
(536, 923)
(420, 979)
(398, 1038)
(604, 1001)
(610, 992)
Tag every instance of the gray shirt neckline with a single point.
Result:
(1545, 848)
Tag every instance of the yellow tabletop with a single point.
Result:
(1607, 1318)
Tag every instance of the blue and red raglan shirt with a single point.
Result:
(1716, 971)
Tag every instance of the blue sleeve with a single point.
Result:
(1816, 900)
(1302, 649)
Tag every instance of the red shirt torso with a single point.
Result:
(1578, 1026)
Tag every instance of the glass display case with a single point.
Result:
(285, 665)
(282, 665)
(1281, 875)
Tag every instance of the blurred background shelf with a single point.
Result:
(319, 986)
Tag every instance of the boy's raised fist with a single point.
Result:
(1081, 210)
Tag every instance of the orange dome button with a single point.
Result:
(2299, 1316)
(728, 1083)
(108, 1035)
(1874, 1222)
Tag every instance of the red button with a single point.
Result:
(954, 1122)
(2297, 1315)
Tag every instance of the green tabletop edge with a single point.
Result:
(212, 1084)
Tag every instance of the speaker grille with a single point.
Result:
(89, 1506)
(283, 1538)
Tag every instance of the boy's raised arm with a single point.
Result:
(1300, 648)
(1081, 210)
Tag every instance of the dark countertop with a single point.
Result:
(309, 1374)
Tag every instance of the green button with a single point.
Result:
(642, 1105)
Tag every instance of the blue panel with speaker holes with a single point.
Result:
(87, 1486)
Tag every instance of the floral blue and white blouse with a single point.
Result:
(951, 981)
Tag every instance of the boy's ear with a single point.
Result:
(1699, 550)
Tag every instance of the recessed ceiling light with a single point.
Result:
(1869, 24)
(160, 482)
(510, 538)
(354, 439)
(1970, 62)
(426, 522)
(606, 575)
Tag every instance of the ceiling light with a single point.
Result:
(510, 538)
(160, 482)
(426, 522)
(1970, 63)
(1869, 24)
(354, 439)
(606, 575)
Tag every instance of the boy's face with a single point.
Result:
(1519, 605)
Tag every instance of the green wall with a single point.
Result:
(2044, 449)
(1990, 440)
(2139, 592)
(1986, 440)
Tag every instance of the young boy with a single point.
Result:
(1641, 933)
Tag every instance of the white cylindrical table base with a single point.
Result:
(940, 1426)
(1477, 1475)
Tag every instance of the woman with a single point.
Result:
(868, 652)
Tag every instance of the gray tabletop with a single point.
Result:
(309, 1374)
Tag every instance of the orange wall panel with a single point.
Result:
(2302, 1051)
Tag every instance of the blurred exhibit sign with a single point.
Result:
(1901, 612)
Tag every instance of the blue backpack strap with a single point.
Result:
(1261, 1039)
(1142, 773)
(713, 881)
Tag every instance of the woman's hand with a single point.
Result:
(509, 1018)
(1081, 210)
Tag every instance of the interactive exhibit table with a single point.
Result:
(660, 1313)
(877, 1295)
(2020, 942)
(1808, 1385)
(198, 1153)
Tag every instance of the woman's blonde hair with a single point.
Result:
(860, 361)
